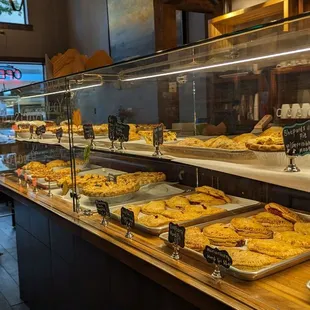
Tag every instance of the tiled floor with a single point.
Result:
(9, 291)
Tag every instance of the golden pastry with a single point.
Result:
(154, 207)
(143, 178)
(40, 172)
(223, 235)
(217, 142)
(195, 239)
(266, 144)
(284, 212)
(199, 198)
(56, 163)
(302, 228)
(135, 209)
(273, 132)
(273, 222)
(33, 165)
(154, 220)
(245, 259)
(293, 238)
(179, 215)
(275, 248)
(250, 228)
(177, 202)
(244, 138)
(213, 192)
(191, 142)
(203, 210)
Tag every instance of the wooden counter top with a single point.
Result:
(284, 290)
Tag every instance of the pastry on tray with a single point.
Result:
(135, 209)
(244, 138)
(284, 212)
(191, 142)
(203, 210)
(273, 222)
(213, 192)
(199, 198)
(180, 215)
(154, 220)
(294, 238)
(275, 248)
(266, 144)
(143, 178)
(154, 207)
(245, 259)
(40, 173)
(302, 228)
(195, 239)
(34, 165)
(56, 163)
(273, 132)
(177, 202)
(223, 235)
(250, 228)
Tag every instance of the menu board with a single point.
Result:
(122, 132)
(112, 120)
(297, 139)
(127, 218)
(102, 208)
(217, 257)
(158, 135)
(176, 234)
(88, 131)
(40, 130)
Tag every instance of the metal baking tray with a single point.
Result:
(237, 206)
(203, 153)
(239, 273)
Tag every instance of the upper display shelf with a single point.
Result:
(277, 45)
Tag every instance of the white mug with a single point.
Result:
(285, 111)
(296, 110)
(305, 110)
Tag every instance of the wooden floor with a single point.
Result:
(9, 291)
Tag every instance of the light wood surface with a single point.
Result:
(284, 290)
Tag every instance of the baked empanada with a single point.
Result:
(203, 209)
(302, 228)
(223, 235)
(154, 207)
(275, 248)
(177, 202)
(199, 198)
(180, 215)
(293, 238)
(245, 258)
(195, 239)
(153, 220)
(273, 222)
(213, 192)
(284, 212)
(250, 228)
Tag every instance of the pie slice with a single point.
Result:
(250, 228)
(274, 248)
(177, 202)
(273, 222)
(302, 228)
(199, 198)
(223, 235)
(154, 207)
(293, 238)
(213, 192)
(195, 239)
(249, 259)
(204, 209)
(284, 212)
(154, 220)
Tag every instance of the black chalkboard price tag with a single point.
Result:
(158, 135)
(112, 120)
(103, 208)
(122, 132)
(127, 218)
(217, 257)
(176, 235)
(88, 132)
(59, 133)
(40, 130)
(297, 139)
(112, 178)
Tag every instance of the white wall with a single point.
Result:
(88, 25)
(241, 4)
(49, 19)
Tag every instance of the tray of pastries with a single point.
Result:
(205, 203)
(260, 242)
(221, 147)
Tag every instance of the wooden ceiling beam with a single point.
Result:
(200, 6)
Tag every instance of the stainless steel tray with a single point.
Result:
(203, 153)
(239, 273)
(237, 206)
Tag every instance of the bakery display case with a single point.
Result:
(191, 137)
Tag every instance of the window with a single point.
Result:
(13, 11)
